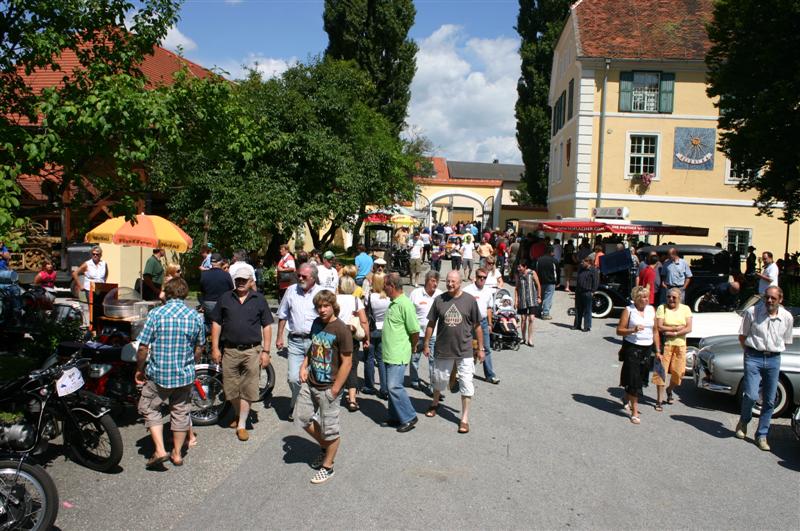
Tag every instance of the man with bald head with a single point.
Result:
(457, 319)
(298, 311)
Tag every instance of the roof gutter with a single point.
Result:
(602, 141)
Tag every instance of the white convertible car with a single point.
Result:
(712, 324)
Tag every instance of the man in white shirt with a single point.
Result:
(415, 259)
(484, 296)
(327, 274)
(298, 310)
(769, 275)
(423, 299)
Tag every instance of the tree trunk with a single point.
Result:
(322, 241)
(362, 213)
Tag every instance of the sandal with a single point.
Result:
(635, 420)
(352, 406)
(191, 443)
(432, 411)
(659, 407)
(463, 427)
(176, 462)
(156, 460)
(670, 400)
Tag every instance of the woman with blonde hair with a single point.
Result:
(377, 304)
(674, 321)
(351, 271)
(637, 326)
(351, 306)
(173, 270)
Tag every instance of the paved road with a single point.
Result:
(549, 448)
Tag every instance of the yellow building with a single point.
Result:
(628, 94)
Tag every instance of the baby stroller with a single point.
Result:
(505, 327)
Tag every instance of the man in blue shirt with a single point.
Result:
(5, 256)
(173, 335)
(676, 273)
(363, 263)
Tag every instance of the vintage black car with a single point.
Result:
(710, 267)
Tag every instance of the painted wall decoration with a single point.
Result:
(694, 148)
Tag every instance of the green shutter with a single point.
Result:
(625, 91)
(666, 92)
(571, 99)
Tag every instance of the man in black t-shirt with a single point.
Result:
(547, 270)
(457, 319)
(214, 283)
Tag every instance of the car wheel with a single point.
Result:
(601, 305)
(782, 399)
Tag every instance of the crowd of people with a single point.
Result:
(332, 316)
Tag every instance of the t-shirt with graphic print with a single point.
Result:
(455, 318)
(329, 342)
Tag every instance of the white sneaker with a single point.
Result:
(322, 475)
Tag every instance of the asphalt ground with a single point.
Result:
(549, 447)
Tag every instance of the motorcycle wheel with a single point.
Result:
(98, 444)
(208, 411)
(34, 504)
(266, 383)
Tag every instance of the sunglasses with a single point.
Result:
(480, 277)
(96, 254)
(771, 298)
(303, 277)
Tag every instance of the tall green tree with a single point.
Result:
(40, 129)
(754, 69)
(539, 25)
(374, 34)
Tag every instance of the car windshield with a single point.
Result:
(751, 301)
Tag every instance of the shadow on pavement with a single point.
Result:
(614, 340)
(281, 406)
(562, 325)
(694, 398)
(603, 404)
(298, 449)
(711, 427)
(374, 409)
(786, 446)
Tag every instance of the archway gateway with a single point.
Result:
(485, 207)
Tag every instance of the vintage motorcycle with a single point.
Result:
(28, 496)
(49, 403)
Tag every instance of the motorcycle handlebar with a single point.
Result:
(56, 371)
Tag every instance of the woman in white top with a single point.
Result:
(467, 253)
(377, 304)
(351, 306)
(637, 325)
(494, 278)
(93, 270)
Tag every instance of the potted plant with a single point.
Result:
(642, 181)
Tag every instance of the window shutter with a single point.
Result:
(570, 99)
(666, 92)
(625, 91)
(563, 108)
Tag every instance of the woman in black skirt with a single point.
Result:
(637, 325)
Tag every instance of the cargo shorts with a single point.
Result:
(318, 405)
(240, 373)
(154, 398)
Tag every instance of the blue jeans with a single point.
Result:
(400, 408)
(759, 370)
(547, 298)
(297, 349)
(374, 355)
(413, 368)
(488, 370)
(583, 309)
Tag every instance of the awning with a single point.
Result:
(590, 226)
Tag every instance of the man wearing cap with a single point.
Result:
(214, 283)
(153, 276)
(243, 319)
(327, 274)
(298, 311)
(378, 266)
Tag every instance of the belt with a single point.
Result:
(765, 353)
(246, 346)
(299, 336)
(676, 286)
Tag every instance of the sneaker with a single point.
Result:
(547, 317)
(741, 430)
(317, 462)
(761, 442)
(322, 475)
(368, 391)
(415, 385)
(493, 380)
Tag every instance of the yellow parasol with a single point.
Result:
(401, 219)
(149, 231)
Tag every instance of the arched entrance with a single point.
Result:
(451, 211)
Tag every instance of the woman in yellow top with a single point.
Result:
(674, 321)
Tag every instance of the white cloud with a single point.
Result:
(175, 39)
(268, 67)
(463, 95)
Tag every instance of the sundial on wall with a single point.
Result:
(694, 148)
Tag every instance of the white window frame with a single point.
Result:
(740, 229)
(659, 150)
(728, 178)
(658, 91)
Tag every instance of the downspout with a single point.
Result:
(602, 142)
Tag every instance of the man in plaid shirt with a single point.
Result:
(173, 335)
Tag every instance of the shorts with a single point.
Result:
(320, 406)
(674, 362)
(179, 399)
(240, 373)
(465, 369)
(415, 265)
(530, 310)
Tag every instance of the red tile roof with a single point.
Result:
(642, 29)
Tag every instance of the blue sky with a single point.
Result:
(463, 94)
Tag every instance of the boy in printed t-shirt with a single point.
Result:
(322, 376)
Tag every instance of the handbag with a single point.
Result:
(358, 330)
(370, 316)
